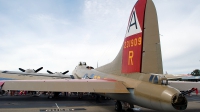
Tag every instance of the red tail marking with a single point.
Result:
(132, 47)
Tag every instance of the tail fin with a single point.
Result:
(141, 50)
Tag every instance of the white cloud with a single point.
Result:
(179, 26)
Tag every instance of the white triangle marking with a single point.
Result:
(134, 26)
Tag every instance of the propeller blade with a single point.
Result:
(49, 72)
(65, 72)
(38, 69)
(22, 70)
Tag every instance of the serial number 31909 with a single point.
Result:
(133, 42)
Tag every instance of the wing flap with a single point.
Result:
(71, 85)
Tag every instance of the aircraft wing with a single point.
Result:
(191, 78)
(35, 74)
(66, 85)
(183, 77)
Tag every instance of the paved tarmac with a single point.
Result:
(72, 103)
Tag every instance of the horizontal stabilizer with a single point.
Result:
(184, 85)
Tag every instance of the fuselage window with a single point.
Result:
(155, 80)
(151, 78)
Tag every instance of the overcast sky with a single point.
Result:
(58, 34)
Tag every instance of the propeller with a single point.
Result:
(60, 72)
(22, 70)
(38, 69)
(49, 72)
(65, 72)
(31, 70)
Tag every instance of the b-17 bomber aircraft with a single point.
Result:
(134, 77)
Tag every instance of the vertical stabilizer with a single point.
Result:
(140, 51)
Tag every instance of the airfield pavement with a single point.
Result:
(72, 103)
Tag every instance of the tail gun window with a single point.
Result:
(151, 78)
(155, 80)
